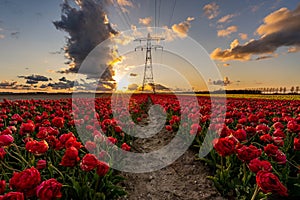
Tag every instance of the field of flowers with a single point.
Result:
(256, 153)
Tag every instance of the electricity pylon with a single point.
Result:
(148, 70)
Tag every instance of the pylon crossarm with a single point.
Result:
(142, 47)
(157, 47)
(140, 40)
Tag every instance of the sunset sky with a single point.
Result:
(253, 43)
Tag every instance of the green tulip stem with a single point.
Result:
(7, 167)
(222, 169)
(293, 164)
(255, 192)
(245, 172)
(20, 156)
(59, 172)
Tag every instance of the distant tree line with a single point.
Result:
(280, 90)
(265, 90)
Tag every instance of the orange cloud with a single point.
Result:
(226, 18)
(123, 4)
(211, 10)
(182, 28)
(294, 49)
(243, 36)
(280, 28)
(226, 32)
(276, 21)
(145, 21)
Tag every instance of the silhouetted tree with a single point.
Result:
(292, 89)
(284, 90)
(297, 89)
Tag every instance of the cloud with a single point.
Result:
(135, 31)
(169, 34)
(255, 8)
(243, 36)
(211, 10)
(280, 28)
(183, 28)
(7, 84)
(29, 81)
(15, 34)
(133, 86)
(51, 71)
(145, 21)
(279, 20)
(61, 85)
(124, 4)
(43, 86)
(61, 51)
(133, 75)
(226, 32)
(35, 78)
(87, 27)
(161, 87)
(265, 57)
(224, 82)
(1, 35)
(219, 54)
(294, 49)
(226, 18)
(64, 79)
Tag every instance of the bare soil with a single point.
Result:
(185, 179)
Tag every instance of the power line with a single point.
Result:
(155, 2)
(172, 13)
(124, 15)
(159, 6)
(128, 15)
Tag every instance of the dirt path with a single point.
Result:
(184, 179)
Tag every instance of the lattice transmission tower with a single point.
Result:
(148, 69)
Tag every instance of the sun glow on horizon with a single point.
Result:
(122, 82)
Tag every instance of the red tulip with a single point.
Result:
(6, 140)
(49, 189)
(268, 182)
(125, 147)
(89, 162)
(26, 181)
(102, 168)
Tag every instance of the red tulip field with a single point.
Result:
(256, 154)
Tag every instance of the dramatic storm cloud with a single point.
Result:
(280, 28)
(87, 26)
